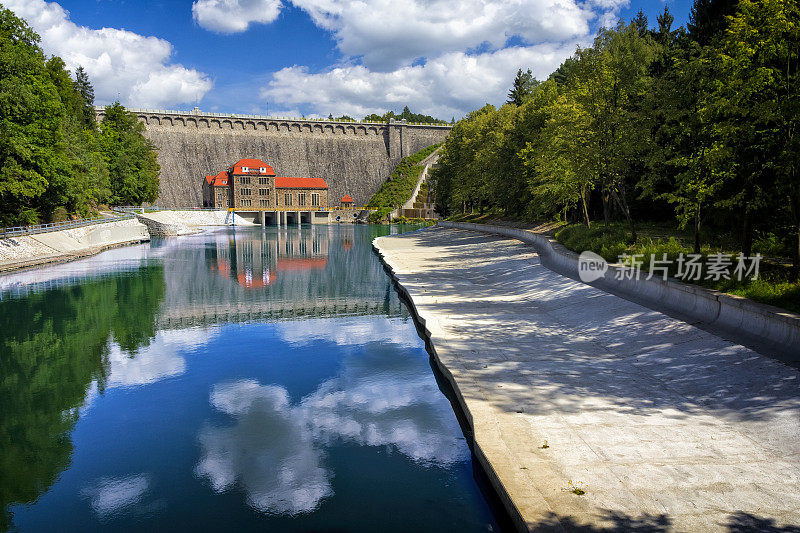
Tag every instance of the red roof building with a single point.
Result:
(347, 201)
(252, 185)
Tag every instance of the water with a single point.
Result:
(229, 380)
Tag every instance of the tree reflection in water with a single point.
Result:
(54, 346)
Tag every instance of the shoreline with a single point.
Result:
(599, 431)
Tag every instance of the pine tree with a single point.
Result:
(708, 19)
(523, 85)
(85, 89)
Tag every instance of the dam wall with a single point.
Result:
(354, 158)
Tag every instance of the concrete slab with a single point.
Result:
(670, 427)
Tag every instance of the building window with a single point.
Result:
(245, 169)
(247, 203)
(263, 181)
(244, 180)
(301, 199)
(262, 170)
(263, 192)
(263, 203)
(245, 192)
(315, 200)
(287, 198)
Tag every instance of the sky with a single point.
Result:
(317, 57)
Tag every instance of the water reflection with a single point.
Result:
(142, 360)
(110, 496)
(268, 452)
(275, 449)
(53, 349)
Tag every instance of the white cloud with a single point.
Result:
(350, 331)
(268, 452)
(121, 64)
(387, 34)
(233, 16)
(112, 495)
(448, 85)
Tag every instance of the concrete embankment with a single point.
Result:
(172, 223)
(663, 425)
(743, 320)
(65, 245)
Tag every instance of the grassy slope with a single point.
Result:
(398, 188)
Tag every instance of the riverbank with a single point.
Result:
(664, 425)
(66, 245)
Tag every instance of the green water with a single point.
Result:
(232, 380)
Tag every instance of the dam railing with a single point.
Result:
(18, 231)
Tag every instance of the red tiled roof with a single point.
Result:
(346, 199)
(209, 179)
(300, 183)
(253, 165)
(220, 179)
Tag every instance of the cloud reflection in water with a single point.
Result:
(275, 450)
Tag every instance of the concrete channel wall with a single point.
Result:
(64, 245)
(738, 317)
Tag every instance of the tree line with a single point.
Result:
(698, 124)
(56, 160)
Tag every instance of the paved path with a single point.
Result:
(669, 427)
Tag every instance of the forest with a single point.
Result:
(56, 161)
(653, 138)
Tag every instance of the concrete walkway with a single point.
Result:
(669, 427)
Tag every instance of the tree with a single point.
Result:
(755, 107)
(522, 87)
(610, 81)
(131, 158)
(30, 123)
(562, 169)
(86, 92)
(709, 19)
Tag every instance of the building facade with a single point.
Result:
(252, 185)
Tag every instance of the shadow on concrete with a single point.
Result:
(637, 357)
(619, 522)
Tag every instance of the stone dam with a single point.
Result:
(354, 158)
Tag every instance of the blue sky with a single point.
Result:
(314, 57)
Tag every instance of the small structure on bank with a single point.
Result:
(252, 185)
(347, 202)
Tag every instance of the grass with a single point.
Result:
(400, 186)
(774, 285)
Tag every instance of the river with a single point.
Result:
(231, 380)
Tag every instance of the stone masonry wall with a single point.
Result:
(353, 158)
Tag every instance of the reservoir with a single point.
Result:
(237, 379)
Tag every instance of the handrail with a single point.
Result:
(16, 231)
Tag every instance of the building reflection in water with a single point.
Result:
(257, 262)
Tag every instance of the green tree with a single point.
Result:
(755, 108)
(30, 123)
(131, 158)
(522, 87)
(708, 19)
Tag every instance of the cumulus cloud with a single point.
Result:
(350, 331)
(268, 451)
(447, 85)
(383, 399)
(387, 34)
(233, 16)
(161, 359)
(274, 450)
(112, 495)
(120, 63)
